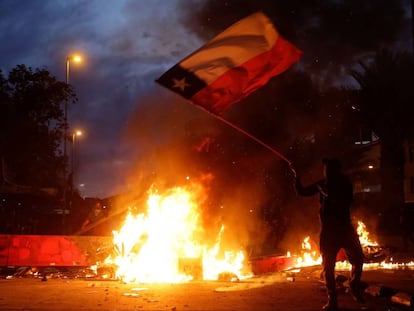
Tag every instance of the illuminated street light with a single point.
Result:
(75, 134)
(76, 59)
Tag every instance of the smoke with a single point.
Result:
(173, 143)
(334, 35)
(248, 189)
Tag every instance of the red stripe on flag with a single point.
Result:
(239, 82)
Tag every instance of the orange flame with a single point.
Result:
(165, 243)
(310, 257)
(364, 235)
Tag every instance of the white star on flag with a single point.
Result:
(232, 65)
(181, 84)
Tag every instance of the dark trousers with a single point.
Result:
(331, 241)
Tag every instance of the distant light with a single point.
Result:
(370, 167)
(75, 58)
(78, 133)
(187, 177)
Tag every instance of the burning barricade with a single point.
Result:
(166, 243)
(169, 243)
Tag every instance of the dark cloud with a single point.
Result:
(125, 45)
(128, 44)
(334, 35)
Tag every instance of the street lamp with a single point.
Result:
(76, 59)
(75, 134)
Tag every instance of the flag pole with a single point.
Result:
(278, 154)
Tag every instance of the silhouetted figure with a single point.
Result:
(336, 196)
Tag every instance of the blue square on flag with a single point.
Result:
(181, 81)
(232, 65)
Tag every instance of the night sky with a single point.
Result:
(125, 46)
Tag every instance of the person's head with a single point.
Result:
(331, 166)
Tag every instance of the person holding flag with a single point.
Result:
(337, 231)
(227, 69)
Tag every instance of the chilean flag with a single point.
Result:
(235, 63)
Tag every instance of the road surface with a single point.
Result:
(276, 291)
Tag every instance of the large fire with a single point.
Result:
(167, 243)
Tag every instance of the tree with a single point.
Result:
(32, 126)
(384, 101)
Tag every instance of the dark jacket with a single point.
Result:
(335, 196)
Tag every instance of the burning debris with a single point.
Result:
(376, 256)
(373, 252)
(167, 243)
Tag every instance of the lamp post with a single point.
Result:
(75, 134)
(76, 59)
